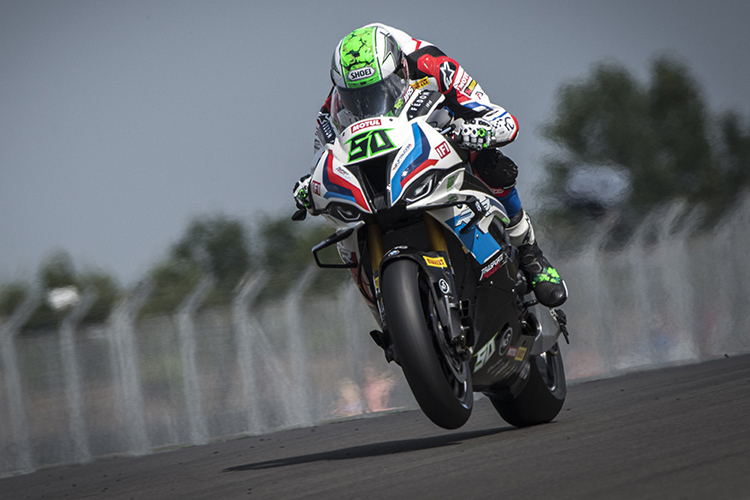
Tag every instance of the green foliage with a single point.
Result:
(657, 138)
(11, 296)
(107, 293)
(214, 246)
(734, 160)
(286, 254)
(172, 281)
(218, 245)
(58, 271)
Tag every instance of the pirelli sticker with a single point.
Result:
(421, 83)
(435, 261)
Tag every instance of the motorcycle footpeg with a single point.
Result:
(377, 336)
(530, 303)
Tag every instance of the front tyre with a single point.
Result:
(542, 398)
(439, 379)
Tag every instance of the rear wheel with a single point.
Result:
(543, 397)
(438, 377)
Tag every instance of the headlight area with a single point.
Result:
(420, 189)
(344, 212)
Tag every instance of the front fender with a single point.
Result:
(436, 266)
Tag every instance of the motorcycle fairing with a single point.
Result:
(411, 165)
(370, 138)
(417, 157)
(337, 182)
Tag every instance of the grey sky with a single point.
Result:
(120, 120)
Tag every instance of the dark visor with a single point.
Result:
(373, 100)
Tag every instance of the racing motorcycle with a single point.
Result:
(425, 242)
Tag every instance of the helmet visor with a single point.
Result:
(377, 99)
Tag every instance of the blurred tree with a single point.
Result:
(734, 158)
(645, 145)
(215, 246)
(107, 291)
(61, 287)
(219, 246)
(11, 296)
(287, 254)
(57, 271)
(172, 281)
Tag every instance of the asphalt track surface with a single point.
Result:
(678, 432)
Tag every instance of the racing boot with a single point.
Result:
(549, 288)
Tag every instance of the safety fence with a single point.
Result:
(134, 385)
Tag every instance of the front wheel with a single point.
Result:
(542, 398)
(439, 379)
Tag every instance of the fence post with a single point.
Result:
(185, 322)
(72, 374)
(21, 447)
(297, 350)
(125, 362)
(246, 359)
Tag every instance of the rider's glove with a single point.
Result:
(302, 196)
(494, 128)
(475, 134)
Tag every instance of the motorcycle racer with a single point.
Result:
(372, 70)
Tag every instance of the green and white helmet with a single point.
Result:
(369, 71)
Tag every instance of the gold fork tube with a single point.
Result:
(435, 234)
(375, 245)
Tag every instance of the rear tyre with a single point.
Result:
(439, 379)
(542, 398)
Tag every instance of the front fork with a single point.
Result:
(376, 246)
(452, 314)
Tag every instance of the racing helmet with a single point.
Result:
(369, 72)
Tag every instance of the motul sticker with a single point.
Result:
(375, 122)
(316, 187)
(511, 352)
(435, 261)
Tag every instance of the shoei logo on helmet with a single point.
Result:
(361, 73)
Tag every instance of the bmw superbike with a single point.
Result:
(425, 242)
